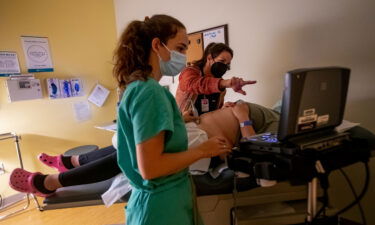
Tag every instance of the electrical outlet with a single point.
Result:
(2, 170)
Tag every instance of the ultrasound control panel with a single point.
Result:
(265, 137)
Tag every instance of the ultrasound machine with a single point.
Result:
(306, 147)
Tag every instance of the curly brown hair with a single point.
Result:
(133, 51)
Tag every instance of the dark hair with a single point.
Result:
(214, 49)
(133, 51)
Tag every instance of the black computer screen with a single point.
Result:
(313, 99)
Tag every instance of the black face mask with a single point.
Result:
(218, 69)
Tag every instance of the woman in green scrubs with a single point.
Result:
(152, 139)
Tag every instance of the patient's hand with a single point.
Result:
(228, 104)
(241, 111)
(188, 116)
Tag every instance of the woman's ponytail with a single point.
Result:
(131, 58)
(132, 53)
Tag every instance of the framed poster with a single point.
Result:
(199, 40)
(215, 35)
(37, 54)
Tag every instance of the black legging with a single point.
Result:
(94, 155)
(95, 166)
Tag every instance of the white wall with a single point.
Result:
(271, 37)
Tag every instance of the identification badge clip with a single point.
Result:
(205, 105)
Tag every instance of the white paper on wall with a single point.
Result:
(82, 111)
(99, 95)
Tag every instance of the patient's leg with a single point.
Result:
(63, 163)
(95, 171)
(94, 155)
(265, 119)
(98, 170)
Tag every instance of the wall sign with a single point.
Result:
(37, 54)
(9, 64)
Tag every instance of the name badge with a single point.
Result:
(205, 105)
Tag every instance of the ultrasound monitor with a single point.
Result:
(313, 100)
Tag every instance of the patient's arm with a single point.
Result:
(241, 111)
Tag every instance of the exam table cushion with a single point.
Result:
(205, 185)
(80, 193)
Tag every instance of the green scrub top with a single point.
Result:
(145, 110)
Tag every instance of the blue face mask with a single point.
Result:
(174, 66)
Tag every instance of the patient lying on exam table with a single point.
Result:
(101, 164)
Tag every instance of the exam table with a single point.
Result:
(90, 194)
(215, 199)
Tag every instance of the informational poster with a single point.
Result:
(215, 35)
(9, 64)
(99, 95)
(37, 54)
